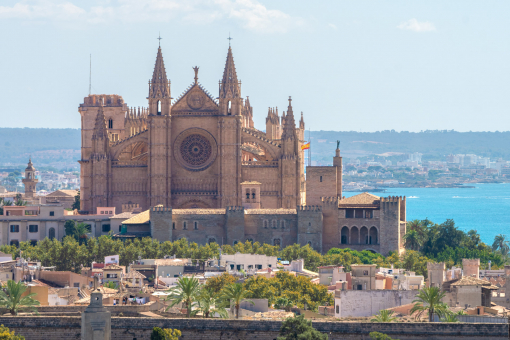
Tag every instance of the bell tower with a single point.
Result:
(159, 121)
(30, 181)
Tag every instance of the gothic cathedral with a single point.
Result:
(193, 152)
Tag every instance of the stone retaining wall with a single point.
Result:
(45, 328)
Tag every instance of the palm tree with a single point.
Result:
(384, 316)
(501, 243)
(429, 300)
(235, 293)
(209, 304)
(413, 240)
(283, 303)
(450, 317)
(187, 291)
(80, 232)
(11, 298)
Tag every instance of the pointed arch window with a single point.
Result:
(110, 123)
(229, 107)
(159, 107)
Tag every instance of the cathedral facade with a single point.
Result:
(196, 151)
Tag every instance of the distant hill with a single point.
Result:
(61, 147)
(434, 145)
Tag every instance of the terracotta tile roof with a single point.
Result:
(472, 281)
(58, 193)
(134, 275)
(141, 218)
(124, 215)
(362, 199)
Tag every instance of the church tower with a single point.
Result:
(230, 125)
(290, 162)
(30, 181)
(159, 121)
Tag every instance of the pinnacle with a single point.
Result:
(230, 84)
(100, 130)
(159, 82)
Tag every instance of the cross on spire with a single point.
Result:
(159, 38)
(229, 38)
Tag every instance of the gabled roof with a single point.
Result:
(182, 103)
(59, 193)
(141, 218)
(473, 281)
(134, 275)
(363, 199)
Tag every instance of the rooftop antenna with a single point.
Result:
(90, 75)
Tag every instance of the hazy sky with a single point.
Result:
(348, 65)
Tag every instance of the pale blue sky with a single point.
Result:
(348, 65)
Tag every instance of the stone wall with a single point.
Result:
(44, 328)
(361, 303)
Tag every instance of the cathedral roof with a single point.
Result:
(194, 87)
(230, 84)
(362, 199)
(289, 125)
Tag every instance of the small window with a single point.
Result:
(277, 242)
(184, 225)
(173, 225)
(106, 228)
(274, 224)
(321, 179)
(247, 195)
(15, 243)
(365, 272)
(76, 285)
(120, 228)
(211, 240)
(159, 108)
(33, 243)
(110, 123)
(235, 242)
(14, 228)
(337, 309)
(349, 213)
(283, 224)
(195, 225)
(265, 224)
(33, 228)
(52, 213)
(310, 244)
(253, 195)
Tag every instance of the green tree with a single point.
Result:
(428, 300)
(11, 298)
(500, 243)
(69, 227)
(157, 334)
(111, 285)
(209, 303)
(76, 203)
(80, 232)
(234, 293)
(300, 329)
(217, 283)
(6, 334)
(283, 303)
(384, 315)
(186, 291)
(413, 240)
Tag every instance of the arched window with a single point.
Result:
(310, 244)
(211, 240)
(265, 224)
(283, 224)
(250, 240)
(110, 123)
(196, 225)
(51, 233)
(344, 235)
(253, 193)
(235, 242)
(277, 242)
(247, 194)
(184, 225)
(354, 236)
(373, 236)
(229, 108)
(173, 225)
(363, 235)
(159, 107)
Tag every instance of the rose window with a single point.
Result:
(195, 150)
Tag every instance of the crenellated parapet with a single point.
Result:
(311, 208)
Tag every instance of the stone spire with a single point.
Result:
(230, 85)
(100, 130)
(302, 122)
(289, 126)
(159, 84)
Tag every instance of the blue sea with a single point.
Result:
(485, 208)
